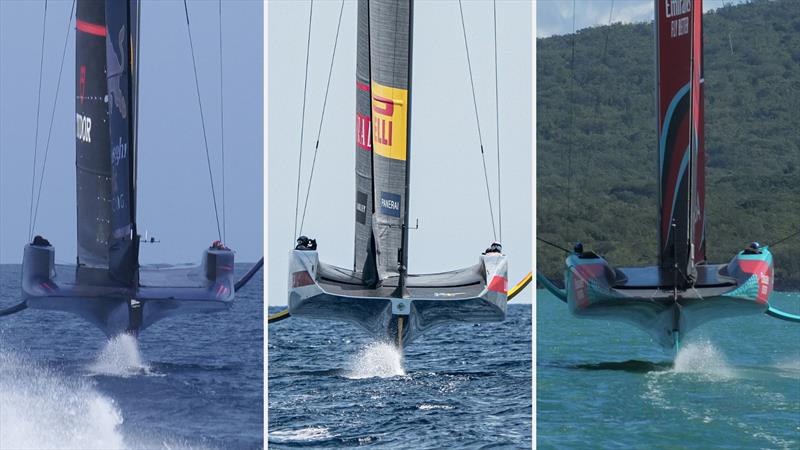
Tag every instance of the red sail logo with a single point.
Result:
(83, 82)
(363, 131)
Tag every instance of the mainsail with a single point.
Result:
(92, 162)
(680, 137)
(104, 155)
(390, 71)
(365, 207)
(123, 246)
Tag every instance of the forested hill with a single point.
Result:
(600, 128)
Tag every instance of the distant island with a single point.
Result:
(596, 155)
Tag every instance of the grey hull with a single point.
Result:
(162, 291)
(473, 295)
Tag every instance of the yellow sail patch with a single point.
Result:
(389, 120)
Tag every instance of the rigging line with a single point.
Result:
(784, 239)
(302, 122)
(552, 244)
(477, 119)
(202, 120)
(608, 30)
(497, 123)
(222, 126)
(572, 127)
(322, 117)
(52, 118)
(36, 134)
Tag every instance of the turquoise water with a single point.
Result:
(734, 384)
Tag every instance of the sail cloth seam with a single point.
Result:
(477, 119)
(302, 121)
(322, 117)
(202, 120)
(36, 132)
(52, 119)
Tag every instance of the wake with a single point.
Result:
(378, 359)
(120, 357)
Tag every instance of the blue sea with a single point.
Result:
(190, 382)
(457, 386)
(734, 384)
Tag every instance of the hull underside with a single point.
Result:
(318, 291)
(644, 296)
(162, 291)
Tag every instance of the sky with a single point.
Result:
(555, 16)
(174, 194)
(448, 194)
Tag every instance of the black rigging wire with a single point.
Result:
(552, 244)
(608, 30)
(796, 233)
(497, 122)
(52, 118)
(36, 134)
(572, 127)
(221, 125)
(477, 119)
(202, 120)
(302, 122)
(322, 117)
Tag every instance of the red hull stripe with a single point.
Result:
(498, 284)
(91, 28)
(755, 267)
(302, 278)
(362, 86)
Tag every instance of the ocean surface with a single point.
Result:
(190, 382)
(735, 384)
(457, 386)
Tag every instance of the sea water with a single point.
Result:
(735, 383)
(189, 382)
(456, 386)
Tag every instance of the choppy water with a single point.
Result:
(189, 382)
(459, 386)
(734, 384)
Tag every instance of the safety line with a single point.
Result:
(36, 133)
(322, 117)
(497, 123)
(222, 124)
(52, 118)
(477, 119)
(302, 123)
(202, 120)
